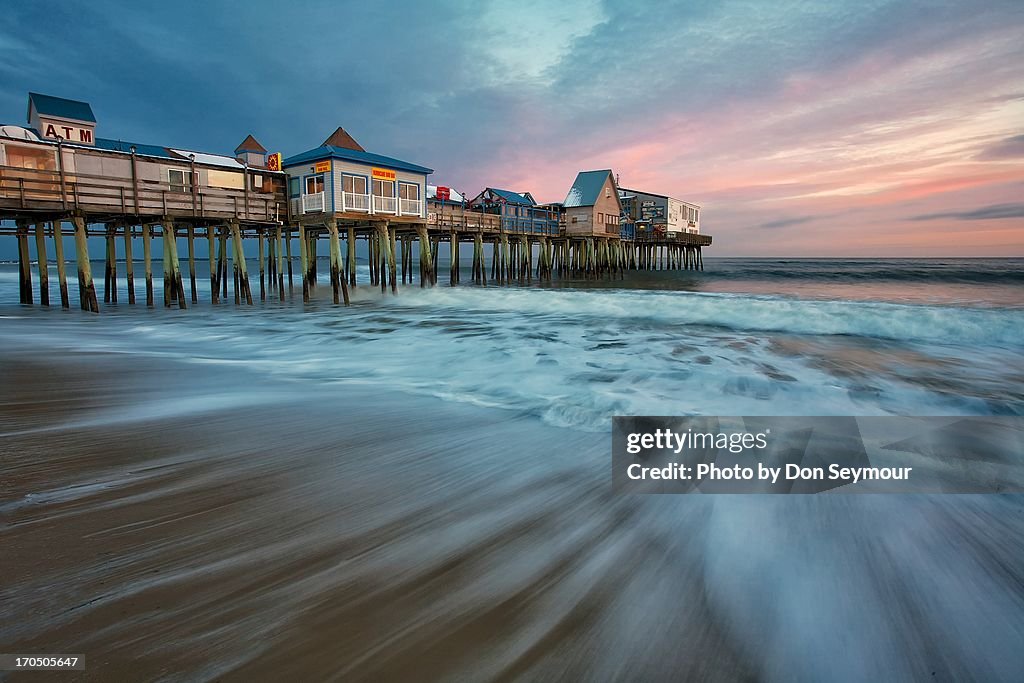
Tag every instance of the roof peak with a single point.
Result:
(250, 144)
(341, 138)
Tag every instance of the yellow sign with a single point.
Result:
(384, 174)
(274, 161)
(322, 167)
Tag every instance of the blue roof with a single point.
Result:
(512, 197)
(329, 152)
(47, 105)
(122, 146)
(587, 188)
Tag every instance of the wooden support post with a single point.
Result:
(211, 243)
(174, 266)
(243, 272)
(351, 257)
(110, 272)
(24, 266)
(280, 271)
(403, 250)
(129, 262)
(222, 263)
(332, 231)
(426, 259)
(262, 256)
(382, 256)
(304, 262)
(392, 265)
(147, 260)
(58, 255)
(314, 237)
(44, 274)
(192, 262)
(86, 289)
(167, 279)
(288, 253)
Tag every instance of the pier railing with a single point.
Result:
(28, 189)
(686, 239)
(354, 201)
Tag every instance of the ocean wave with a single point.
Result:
(760, 313)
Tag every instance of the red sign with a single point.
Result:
(444, 193)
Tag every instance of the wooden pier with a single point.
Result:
(104, 189)
(517, 255)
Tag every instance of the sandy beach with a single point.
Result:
(180, 524)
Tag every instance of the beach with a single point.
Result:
(419, 488)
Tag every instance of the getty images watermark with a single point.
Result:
(818, 454)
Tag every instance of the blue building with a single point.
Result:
(341, 179)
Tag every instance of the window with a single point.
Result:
(314, 184)
(383, 188)
(354, 184)
(600, 217)
(293, 187)
(574, 219)
(408, 191)
(607, 192)
(179, 179)
(257, 181)
(29, 157)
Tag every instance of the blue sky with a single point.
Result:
(802, 128)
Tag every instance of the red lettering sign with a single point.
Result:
(444, 193)
(85, 135)
(51, 132)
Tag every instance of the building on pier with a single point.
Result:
(593, 207)
(658, 215)
(340, 179)
(518, 211)
(58, 165)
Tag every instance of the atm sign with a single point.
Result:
(383, 174)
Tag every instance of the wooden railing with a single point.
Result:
(34, 189)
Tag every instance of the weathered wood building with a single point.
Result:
(592, 207)
(519, 211)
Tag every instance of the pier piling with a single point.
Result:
(24, 266)
(147, 256)
(86, 289)
(192, 262)
(44, 276)
(129, 262)
(58, 255)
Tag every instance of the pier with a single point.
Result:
(57, 179)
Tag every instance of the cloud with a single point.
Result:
(787, 222)
(1010, 148)
(984, 213)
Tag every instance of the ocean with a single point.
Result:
(419, 486)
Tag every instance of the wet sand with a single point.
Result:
(171, 523)
(202, 520)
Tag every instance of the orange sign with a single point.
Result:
(322, 167)
(384, 174)
(274, 161)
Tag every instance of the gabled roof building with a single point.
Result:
(592, 207)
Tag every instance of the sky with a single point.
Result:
(806, 128)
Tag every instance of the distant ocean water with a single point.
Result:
(746, 336)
